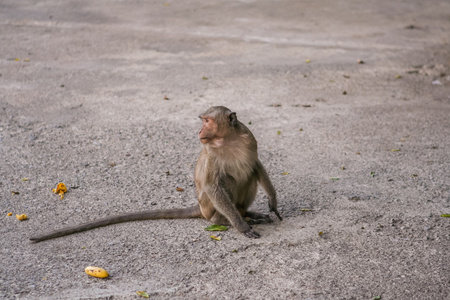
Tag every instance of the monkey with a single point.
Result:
(228, 171)
(226, 177)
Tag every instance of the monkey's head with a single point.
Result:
(218, 123)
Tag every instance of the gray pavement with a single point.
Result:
(104, 96)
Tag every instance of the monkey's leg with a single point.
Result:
(219, 219)
(223, 204)
(253, 218)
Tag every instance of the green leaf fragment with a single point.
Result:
(445, 215)
(334, 178)
(216, 228)
(376, 298)
(143, 294)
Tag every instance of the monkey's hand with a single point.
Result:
(252, 234)
(275, 210)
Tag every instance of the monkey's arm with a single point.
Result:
(223, 204)
(265, 182)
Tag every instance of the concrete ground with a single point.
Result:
(104, 96)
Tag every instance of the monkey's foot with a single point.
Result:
(252, 234)
(253, 218)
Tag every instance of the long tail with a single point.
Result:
(182, 213)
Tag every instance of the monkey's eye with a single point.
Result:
(206, 120)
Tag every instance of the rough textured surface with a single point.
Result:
(104, 97)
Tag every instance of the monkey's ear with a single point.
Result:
(233, 119)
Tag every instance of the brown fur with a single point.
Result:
(226, 178)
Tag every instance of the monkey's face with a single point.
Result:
(218, 126)
(208, 131)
